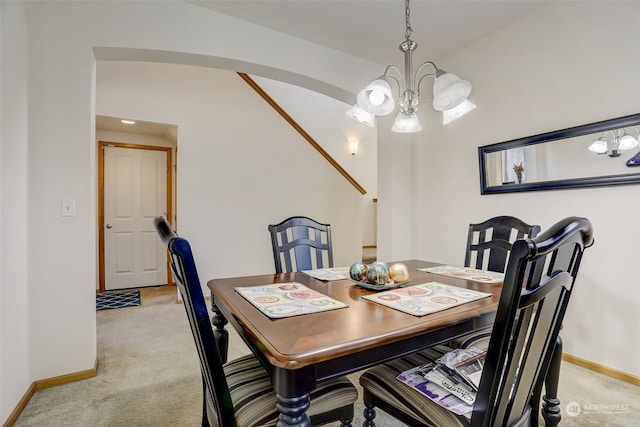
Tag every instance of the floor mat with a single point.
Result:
(107, 301)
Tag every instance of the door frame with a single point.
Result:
(101, 146)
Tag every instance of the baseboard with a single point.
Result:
(67, 378)
(604, 370)
(46, 383)
(13, 417)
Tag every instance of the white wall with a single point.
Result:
(325, 120)
(57, 43)
(569, 64)
(14, 286)
(240, 165)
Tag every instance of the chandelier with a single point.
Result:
(450, 92)
(615, 141)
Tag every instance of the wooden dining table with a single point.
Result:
(300, 351)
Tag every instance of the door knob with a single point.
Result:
(108, 225)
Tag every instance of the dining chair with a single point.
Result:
(489, 242)
(488, 246)
(239, 393)
(539, 281)
(301, 243)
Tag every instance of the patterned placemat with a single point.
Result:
(466, 273)
(280, 300)
(328, 274)
(108, 301)
(426, 298)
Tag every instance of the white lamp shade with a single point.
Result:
(627, 142)
(456, 112)
(353, 147)
(449, 91)
(406, 123)
(599, 146)
(362, 116)
(377, 98)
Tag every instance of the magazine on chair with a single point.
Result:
(451, 381)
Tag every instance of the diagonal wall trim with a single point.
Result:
(301, 131)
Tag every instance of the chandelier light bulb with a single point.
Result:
(376, 97)
(379, 91)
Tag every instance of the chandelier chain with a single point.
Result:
(407, 12)
(449, 90)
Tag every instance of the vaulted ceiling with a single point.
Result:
(373, 29)
(370, 29)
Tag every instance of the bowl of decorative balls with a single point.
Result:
(379, 275)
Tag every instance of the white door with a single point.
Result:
(135, 192)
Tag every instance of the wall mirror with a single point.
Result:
(601, 153)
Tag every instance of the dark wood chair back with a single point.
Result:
(255, 398)
(538, 283)
(489, 242)
(214, 382)
(301, 243)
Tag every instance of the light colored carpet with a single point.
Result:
(148, 375)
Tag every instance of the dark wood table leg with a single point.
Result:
(293, 388)
(220, 334)
(293, 411)
(551, 405)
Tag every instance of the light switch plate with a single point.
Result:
(68, 207)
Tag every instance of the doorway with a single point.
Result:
(135, 186)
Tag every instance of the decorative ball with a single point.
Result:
(384, 263)
(377, 274)
(399, 272)
(358, 271)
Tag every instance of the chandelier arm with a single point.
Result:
(435, 68)
(397, 70)
(420, 81)
(398, 84)
(613, 134)
(394, 68)
(417, 73)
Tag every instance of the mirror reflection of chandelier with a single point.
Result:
(614, 141)
(450, 92)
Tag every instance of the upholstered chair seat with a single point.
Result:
(384, 390)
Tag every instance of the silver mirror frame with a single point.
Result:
(595, 181)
